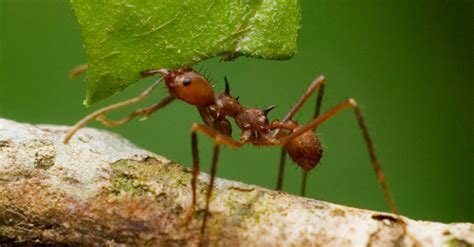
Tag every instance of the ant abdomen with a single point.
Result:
(305, 150)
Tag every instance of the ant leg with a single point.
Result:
(215, 157)
(109, 108)
(317, 110)
(219, 139)
(281, 169)
(365, 133)
(195, 174)
(317, 83)
(77, 71)
(303, 183)
(145, 112)
(319, 101)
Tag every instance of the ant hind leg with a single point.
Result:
(281, 169)
(317, 110)
(350, 103)
(318, 83)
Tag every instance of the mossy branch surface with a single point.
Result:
(101, 189)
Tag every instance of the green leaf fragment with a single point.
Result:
(122, 38)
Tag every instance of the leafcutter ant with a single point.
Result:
(215, 109)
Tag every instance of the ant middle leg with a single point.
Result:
(350, 103)
(318, 83)
(281, 169)
(219, 139)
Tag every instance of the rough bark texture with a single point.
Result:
(101, 189)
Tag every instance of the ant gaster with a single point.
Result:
(299, 141)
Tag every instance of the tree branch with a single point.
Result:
(101, 189)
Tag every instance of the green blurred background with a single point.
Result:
(408, 63)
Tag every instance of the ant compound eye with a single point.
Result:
(187, 81)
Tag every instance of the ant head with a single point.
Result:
(188, 85)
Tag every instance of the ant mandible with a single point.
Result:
(299, 141)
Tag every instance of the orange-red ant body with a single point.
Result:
(299, 141)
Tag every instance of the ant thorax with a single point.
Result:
(227, 105)
(252, 119)
(253, 122)
(255, 127)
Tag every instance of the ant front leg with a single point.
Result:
(350, 103)
(77, 71)
(109, 108)
(218, 139)
(317, 83)
(145, 112)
